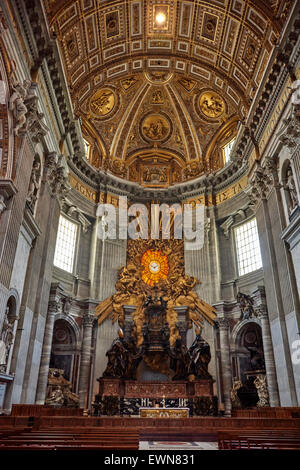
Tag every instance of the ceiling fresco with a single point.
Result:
(161, 85)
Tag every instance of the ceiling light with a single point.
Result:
(160, 18)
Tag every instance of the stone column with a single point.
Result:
(223, 324)
(88, 320)
(46, 353)
(269, 358)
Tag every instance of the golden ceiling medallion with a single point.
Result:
(102, 102)
(211, 104)
(155, 267)
(155, 127)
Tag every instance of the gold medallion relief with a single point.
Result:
(155, 127)
(102, 102)
(211, 104)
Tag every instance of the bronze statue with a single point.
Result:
(180, 360)
(117, 359)
(123, 359)
(199, 358)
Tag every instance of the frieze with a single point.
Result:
(82, 188)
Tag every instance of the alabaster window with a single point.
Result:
(65, 244)
(227, 150)
(247, 247)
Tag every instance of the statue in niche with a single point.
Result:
(34, 184)
(180, 360)
(200, 357)
(246, 306)
(291, 189)
(6, 340)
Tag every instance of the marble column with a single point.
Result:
(84, 372)
(223, 324)
(269, 359)
(53, 307)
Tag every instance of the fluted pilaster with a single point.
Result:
(46, 353)
(269, 358)
(88, 320)
(223, 324)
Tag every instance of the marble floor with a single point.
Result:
(174, 445)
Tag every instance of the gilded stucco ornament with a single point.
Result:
(102, 102)
(211, 104)
(175, 286)
(155, 127)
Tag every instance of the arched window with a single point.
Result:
(65, 244)
(227, 150)
(247, 247)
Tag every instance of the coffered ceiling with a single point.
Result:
(160, 85)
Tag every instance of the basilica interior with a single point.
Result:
(135, 106)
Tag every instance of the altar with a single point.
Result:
(164, 412)
(180, 385)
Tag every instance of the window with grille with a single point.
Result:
(247, 247)
(65, 244)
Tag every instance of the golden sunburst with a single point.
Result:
(155, 267)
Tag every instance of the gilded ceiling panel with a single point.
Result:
(163, 79)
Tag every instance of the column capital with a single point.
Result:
(53, 306)
(88, 319)
(222, 323)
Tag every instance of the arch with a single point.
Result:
(239, 326)
(72, 323)
(247, 348)
(65, 351)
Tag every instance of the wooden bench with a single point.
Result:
(260, 439)
(73, 439)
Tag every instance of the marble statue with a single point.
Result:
(291, 188)
(6, 340)
(34, 183)
(17, 105)
(246, 306)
